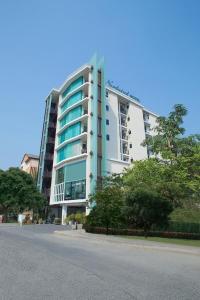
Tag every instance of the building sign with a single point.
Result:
(110, 83)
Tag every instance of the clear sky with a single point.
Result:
(151, 48)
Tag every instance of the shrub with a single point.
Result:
(139, 232)
(70, 218)
(80, 218)
(146, 208)
(57, 221)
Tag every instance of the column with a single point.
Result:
(64, 214)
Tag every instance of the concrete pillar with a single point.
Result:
(87, 210)
(64, 213)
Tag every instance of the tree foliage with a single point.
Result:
(168, 132)
(156, 176)
(107, 204)
(147, 192)
(145, 208)
(18, 192)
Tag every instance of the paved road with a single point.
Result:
(36, 263)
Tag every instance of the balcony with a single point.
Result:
(123, 109)
(47, 174)
(125, 158)
(84, 128)
(124, 137)
(125, 151)
(75, 190)
(123, 121)
(146, 117)
(49, 156)
(146, 121)
(50, 140)
(124, 134)
(66, 191)
(147, 130)
(82, 136)
(47, 192)
(80, 102)
(83, 87)
(52, 125)
(53, 110)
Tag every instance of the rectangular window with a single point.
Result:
(130, 145)
(107, 122)
(60, 175)
(107, 137)
(107, 107)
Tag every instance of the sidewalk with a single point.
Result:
(141, 244)
(8, 224)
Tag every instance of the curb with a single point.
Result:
(121, 241)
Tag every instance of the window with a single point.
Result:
(74, 85)
(107, 107)
(75, 190)
(70, 132)
(130, 145)
(106, 93)
(107, 122)
(60, 175)
(107, 137)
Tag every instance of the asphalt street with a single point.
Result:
(37, 263)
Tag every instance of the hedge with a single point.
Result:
(137, 232)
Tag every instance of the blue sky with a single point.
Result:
(151, 48)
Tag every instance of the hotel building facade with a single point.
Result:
(90, 130)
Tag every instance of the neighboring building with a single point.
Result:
(29, 164)
(90, 130)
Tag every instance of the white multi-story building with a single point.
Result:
(91, 129)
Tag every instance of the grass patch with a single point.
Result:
(194, 243)
(186, 215)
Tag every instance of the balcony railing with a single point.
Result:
(123, 111)
(83, 150)
(125, 151)
(84, 129)
(123, 123)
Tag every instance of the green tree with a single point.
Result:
(146, 208)
(157, 176)
(18, 192)
(107, 204)
(168, 132)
